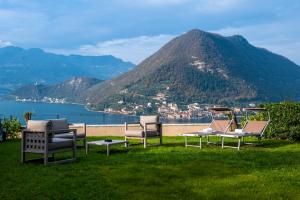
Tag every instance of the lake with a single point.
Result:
(74, 113)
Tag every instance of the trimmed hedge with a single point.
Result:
(285, 120)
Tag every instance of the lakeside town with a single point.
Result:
(164, 109)
(159, 105)
(167, 110)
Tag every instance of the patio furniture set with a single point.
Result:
(48, 137)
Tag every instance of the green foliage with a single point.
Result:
(285, 120)
(254, 117)
(12, 127)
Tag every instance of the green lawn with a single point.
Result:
(268, 171)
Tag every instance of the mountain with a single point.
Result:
(72, 90)
(28, 66)
(206, 68)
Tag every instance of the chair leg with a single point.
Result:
(84, 142)
(74, 152)
(126, 143)
(145, 142)
(23, 157)
(222, 140)
(200, 142)
(160, 140)
(45, 159)
(207, 139)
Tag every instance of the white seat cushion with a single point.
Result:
(70, 135)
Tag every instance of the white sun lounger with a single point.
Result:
(251, 129)
(216, 127)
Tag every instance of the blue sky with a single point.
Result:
(134, 29)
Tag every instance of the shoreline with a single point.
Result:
(79, 104)
(85, 106)
(102, 111)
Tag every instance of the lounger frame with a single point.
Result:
(241, 137)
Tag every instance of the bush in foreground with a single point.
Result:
(285, 120)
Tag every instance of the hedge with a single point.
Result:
(285, 120)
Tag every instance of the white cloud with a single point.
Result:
(199, 6)
(130, 49)
(217, 6)
(157, 2)
(5, 43)
(277, 37)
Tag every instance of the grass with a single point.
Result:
(268, 171)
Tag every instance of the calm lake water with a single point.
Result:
(74, 113)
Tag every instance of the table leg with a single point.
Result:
(107, 149)
(200, 142)
(86, 149)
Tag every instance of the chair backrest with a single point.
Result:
(59, 124)
(221, 125)
(255, 126)
(150, 119)
(34, 141)
(39, 125)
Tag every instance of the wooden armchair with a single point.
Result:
(148, 127)
(63, 124)
(39, 138)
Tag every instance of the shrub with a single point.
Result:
(285, 120)
(12, 127)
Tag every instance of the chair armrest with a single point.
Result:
(153, 123)
(44, 135)
(63, 131)
(25, 131)
(131, 123)
(77, 124)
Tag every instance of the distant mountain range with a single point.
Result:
(28, 66)
(72, 90)
(200, 67)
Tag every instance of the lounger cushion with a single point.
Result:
(220, 125)
(60, 143)
(140, 133)
(39, 125)
(59, 124)
(255, 126)
(70, 135)
(150, 119)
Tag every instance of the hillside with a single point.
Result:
(29, 66)
(72, 90)
(206, 68)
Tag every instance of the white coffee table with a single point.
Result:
(103, 143)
